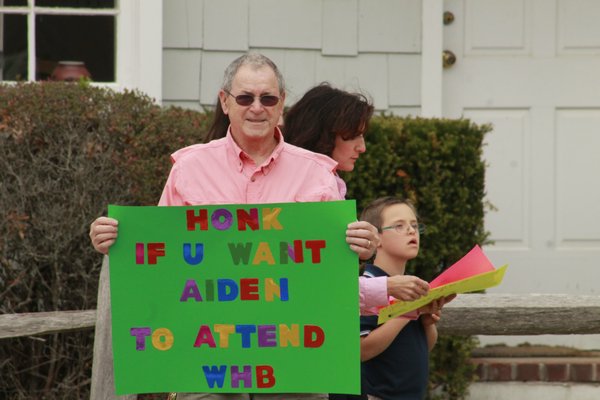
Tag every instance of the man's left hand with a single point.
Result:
(362, 238)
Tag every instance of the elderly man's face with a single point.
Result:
(254, 122)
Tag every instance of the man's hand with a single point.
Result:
(103, 233)
(406, 287)
(362, 238)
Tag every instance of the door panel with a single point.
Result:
(531, 68)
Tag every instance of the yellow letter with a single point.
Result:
(162, 339)
(289, 335)
(269, 217)
(224, 331)
(263, 253)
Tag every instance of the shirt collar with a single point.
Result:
(241, 157)
(372, 271)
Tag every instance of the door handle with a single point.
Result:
(448, 58)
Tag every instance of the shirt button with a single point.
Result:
(253, 179)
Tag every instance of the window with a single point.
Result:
(81, 31)
(118, 41)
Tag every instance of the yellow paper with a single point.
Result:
(471, 284)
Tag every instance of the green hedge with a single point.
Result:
(68, 150)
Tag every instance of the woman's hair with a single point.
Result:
(218, 128)
(373, 211)
(322, 113)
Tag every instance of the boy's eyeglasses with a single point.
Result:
(245, 100)
(404, 228)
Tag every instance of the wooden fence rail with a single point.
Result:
(468, 314)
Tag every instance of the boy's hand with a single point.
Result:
(432, 312)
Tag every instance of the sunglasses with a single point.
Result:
(247, 99)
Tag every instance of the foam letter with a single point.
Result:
(237, 376)
(245, 331)
(139, 253)
(209, 290)
(247, 219)
(224, 330)
(298, 253)
(249, 289)
(187, 253)
(315, 246)
(240, 252)
(272, 289)
(140, 337)
(204, 336)
(266, 336)
(289, 335)
(227, 289)
(264, 376)
(155, 250)
(200, 219)
(214, 375)
(162, 339)
(313, 336)
(263, 253)
(269, 217)
(190, 290)
(225, 215)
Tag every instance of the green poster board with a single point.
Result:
(235, 299)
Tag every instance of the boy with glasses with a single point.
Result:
(395, 355)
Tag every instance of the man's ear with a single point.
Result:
(223, 100)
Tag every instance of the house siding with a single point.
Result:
(350, 43)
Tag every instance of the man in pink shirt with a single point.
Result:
(253, 164)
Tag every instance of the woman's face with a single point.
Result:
(346, 152)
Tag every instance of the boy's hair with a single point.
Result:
(373, 211)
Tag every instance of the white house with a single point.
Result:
(529, 67)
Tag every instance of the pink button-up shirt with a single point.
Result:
(219, 172)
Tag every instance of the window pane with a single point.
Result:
(13, 55)
(90, 39)
(9, 3)
(76, 3)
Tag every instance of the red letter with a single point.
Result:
(298, 252)
(201, 219)
(315, 246)
(155, 250)
(249, 289)
(319, 336)
(204, 336)
(264, 376)
(250, 219)
(139, 253)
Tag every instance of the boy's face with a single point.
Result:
(401, 241)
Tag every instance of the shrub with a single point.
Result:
(68, 150)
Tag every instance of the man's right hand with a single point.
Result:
(103, 233)
(406, 287)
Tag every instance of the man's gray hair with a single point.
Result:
(255, 60)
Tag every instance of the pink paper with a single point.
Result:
(473, 263)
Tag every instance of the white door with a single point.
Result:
(532, 69)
